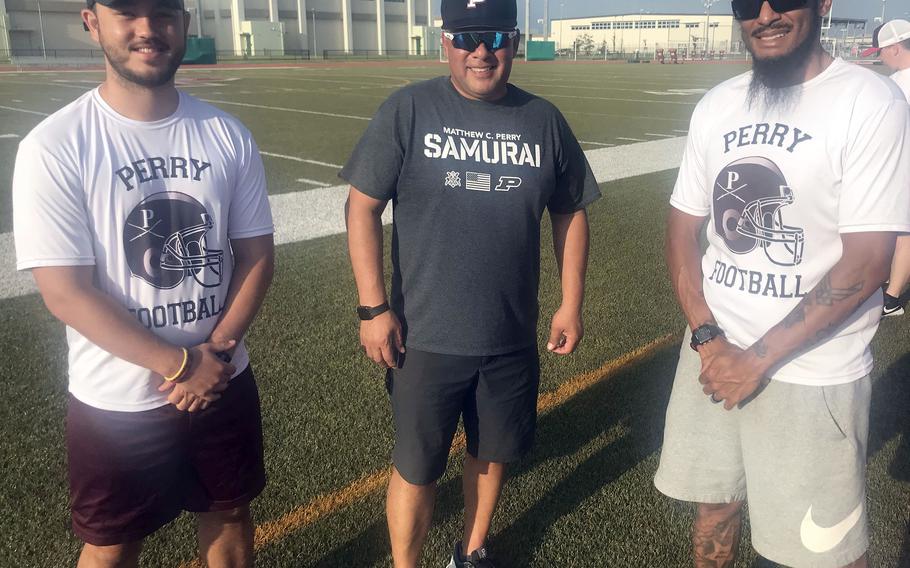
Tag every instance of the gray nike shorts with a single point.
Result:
(796, 453)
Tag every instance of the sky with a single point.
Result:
(866, 9)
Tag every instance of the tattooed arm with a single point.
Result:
(862, 269)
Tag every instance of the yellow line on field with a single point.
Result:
(324, 505)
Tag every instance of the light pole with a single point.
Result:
(638, 45)
(708, 4)
(883, 11)
(315, 51)
(561, 23)
(527, 30)
(546, 20)
(41, 25)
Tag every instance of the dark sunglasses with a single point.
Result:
(750, 9)
(469, 41)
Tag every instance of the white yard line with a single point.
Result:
(630, 139)
(596, 143)
(314, 182)
(9, 136)
(304, 160)
(680, 131)
(285, 109)
(313, 213)
(660, 135)
(652, 101)
(25, 110)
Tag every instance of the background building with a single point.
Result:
(644, 33)
(28, 27)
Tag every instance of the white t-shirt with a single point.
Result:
(152, 205)
(902, 78)
(780, 188)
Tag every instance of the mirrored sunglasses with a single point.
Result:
(469, 41)
(750, 9)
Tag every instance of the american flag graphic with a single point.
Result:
(477, 181)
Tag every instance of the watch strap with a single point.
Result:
(703, 334)
(366, 313)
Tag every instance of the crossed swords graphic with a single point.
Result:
(730, 192)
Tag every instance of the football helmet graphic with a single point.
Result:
(164, 239)
(748, 197)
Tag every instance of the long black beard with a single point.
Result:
(776, 81)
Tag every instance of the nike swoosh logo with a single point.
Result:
(821, 539)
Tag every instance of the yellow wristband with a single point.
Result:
(183, 367)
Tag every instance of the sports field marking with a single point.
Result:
(660, 135)
(653, 101)
(677, 92)
(353, 83)
(629, 139)
(596, 143)
(314, 213)
(624, 116)
(304, 160)
(601, 87)
(680, 131)
(313, 182)
(329, 503)
(62, 84)
(285, 109)
(9, 136)
(332, 91)
(25, 110)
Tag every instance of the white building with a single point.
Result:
(30, 26)
(632, 33)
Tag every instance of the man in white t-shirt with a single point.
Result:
(799, 170)
(143, 216)
(891, 42)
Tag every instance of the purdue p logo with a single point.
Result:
(474, 3)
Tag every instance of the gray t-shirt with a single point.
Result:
(469, 181)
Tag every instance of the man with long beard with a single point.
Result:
(800, 170)
(143, 216)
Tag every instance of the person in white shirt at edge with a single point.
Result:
(800, 169)
(891, 42)
(155, 249)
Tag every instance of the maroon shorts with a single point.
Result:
(131, 473)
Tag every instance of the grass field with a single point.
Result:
(583, 498)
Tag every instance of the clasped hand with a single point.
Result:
(730, 374)
(206, 379)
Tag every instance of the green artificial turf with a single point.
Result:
(584, 496)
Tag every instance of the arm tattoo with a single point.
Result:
(760, 348)
(797, 316)
(826, 294)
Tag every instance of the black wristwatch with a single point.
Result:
(703, 334)
(366, 313)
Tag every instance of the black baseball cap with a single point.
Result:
(464, 15)
(176, 4)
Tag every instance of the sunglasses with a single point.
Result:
(750, 9)
(469, 41)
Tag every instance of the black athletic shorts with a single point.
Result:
(131, 473)
(495, 395)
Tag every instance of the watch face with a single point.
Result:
(363, 313)
(702, 334)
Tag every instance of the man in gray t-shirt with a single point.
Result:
(470, 163)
